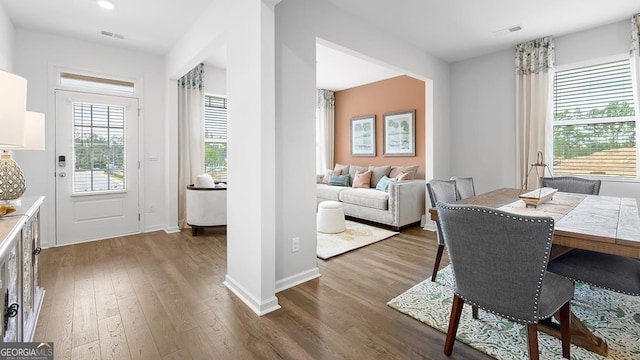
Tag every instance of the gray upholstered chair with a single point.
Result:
(572, 184)
(464, 186)
(611, 272)
(499, 263)
(443, 191)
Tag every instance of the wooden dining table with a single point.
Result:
(605, 224)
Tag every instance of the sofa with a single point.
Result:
(401, 202)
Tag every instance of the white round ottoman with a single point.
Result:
(330, 217)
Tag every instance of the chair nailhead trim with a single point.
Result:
(543, 269)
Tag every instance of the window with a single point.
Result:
(215, 137)
(98, 148)
(97, 83)
(594, 127)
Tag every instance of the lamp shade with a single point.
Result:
(13, 103)
(33, 131)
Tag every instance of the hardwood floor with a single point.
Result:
(160, 296)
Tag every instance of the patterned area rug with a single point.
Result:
(356, 236)
(611, 316)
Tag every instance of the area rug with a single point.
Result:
(356, 236)
(611, 316)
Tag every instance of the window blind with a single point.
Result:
(597, 91)
(215, 118)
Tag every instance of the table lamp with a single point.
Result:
(12, 183)
(13, 103)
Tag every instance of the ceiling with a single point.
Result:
(451, 30)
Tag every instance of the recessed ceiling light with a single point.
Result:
(106, 4)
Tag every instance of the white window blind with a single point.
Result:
(594, 129)
(215, 134)
(98, 147)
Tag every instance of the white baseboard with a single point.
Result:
(171, 229)
(430, 225)
(259, 307)
(297, 279)
(154, 228)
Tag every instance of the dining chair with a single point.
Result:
(572, 184)
(443, 191)
(464, 187)
(612, 272)
(499, 263)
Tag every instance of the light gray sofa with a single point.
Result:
(403, 203)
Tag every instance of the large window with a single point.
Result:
(215, 137)
(594, 128)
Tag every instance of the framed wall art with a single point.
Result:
(400, 133)
(363, 136)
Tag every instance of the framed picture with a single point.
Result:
(400, 133)
(363, 136)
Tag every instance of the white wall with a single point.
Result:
(482, 125)
(6, 40)
(483, 107)
(215, 80)
(298, 24)
(36, 54)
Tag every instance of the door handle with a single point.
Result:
(62, 174)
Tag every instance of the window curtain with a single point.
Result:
(324, 130)
(534, 72)
(635, 56)
(190, 134)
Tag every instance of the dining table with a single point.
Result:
(606, 224)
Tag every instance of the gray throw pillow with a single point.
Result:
(377, 173)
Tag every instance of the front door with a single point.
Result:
(96, 166)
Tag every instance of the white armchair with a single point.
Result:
(206, 206)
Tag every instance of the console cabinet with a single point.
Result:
(21, 294)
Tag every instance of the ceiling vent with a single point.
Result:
(110, 34)
(507, 31)
(515, 28)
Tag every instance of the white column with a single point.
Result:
(251, 204)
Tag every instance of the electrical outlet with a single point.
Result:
(295, 244)
(152, 208)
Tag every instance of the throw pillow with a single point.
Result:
(397, 170)
(353, 169)
(344, 169)
(378, 173)
(403, 176)
(325, 179)
(383, 184)
(362, 179)
(339, 180)
(204, 181)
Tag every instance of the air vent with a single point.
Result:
(507, 31)
(515, 28)
(110, 34)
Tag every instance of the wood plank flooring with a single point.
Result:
(160, 296)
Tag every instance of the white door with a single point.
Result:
(96, 166)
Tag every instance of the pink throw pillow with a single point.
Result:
(362, 179)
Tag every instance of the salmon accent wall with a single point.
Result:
(386, 96)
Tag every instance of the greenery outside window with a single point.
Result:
(594, 123)
(98, 148)
(215, 137)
